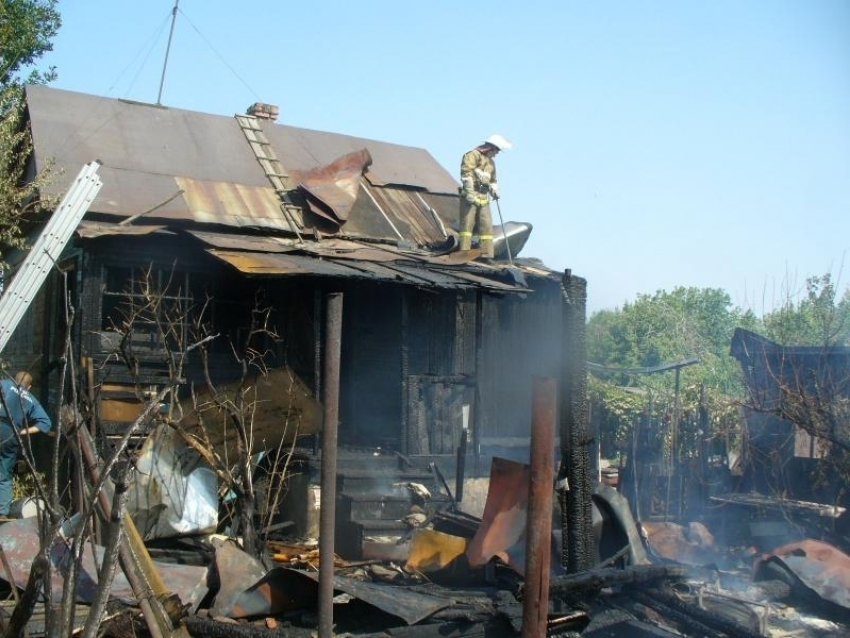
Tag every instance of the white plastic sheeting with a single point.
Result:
(174, 491)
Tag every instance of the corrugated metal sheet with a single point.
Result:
(490, 278)
(275, 256)
(350, 250)
(408, 214)
(234, 205)
(330, 248)
(392, 271)
(335, 186)
(254, 254)
(276, 264)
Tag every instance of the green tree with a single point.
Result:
(821, 317)
(658, 329)
(671, 326)
(26, 30)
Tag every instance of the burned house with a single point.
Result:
(243, 230)
(231, 219)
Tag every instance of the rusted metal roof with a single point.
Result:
(821, 567)
(334, 186)
(379, 210)
(172, 164)
(257, 255)
(231, 204)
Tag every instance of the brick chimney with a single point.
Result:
(264, 111)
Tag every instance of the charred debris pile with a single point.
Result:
(550, 552)
(451, 574)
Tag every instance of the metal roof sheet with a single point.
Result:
(231, 204)
(259, 264)
(139, 137)
(231, 241)
(252, 263)
(92, 230)
(172, 164)
(160, 165)
(257, 255)
(331, 248)
(75, 128)
(305, 149)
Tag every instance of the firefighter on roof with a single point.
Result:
(478, 185)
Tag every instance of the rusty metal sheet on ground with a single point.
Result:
(502, 530)
(820, 566)
(248, 590)
(692, 545)
(245, 590)
(19, 541)
(409, 605)
(283, 589)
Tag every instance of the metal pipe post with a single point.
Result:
(167, 50)
(535, 605)
(327, 514)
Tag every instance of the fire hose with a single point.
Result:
(504, 232)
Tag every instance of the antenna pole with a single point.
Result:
(167, 49)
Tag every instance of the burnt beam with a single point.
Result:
(577, 553)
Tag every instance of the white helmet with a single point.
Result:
(499, 142)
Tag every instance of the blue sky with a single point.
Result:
(657, 144)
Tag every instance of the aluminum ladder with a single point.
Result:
(46, 251)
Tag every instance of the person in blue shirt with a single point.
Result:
(19, 410)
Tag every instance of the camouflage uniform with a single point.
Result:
(477, 176)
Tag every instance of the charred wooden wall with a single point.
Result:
(411, 358)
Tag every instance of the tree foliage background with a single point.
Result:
(27, 28)
(668, 327)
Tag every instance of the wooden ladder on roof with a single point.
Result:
(274, 170)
